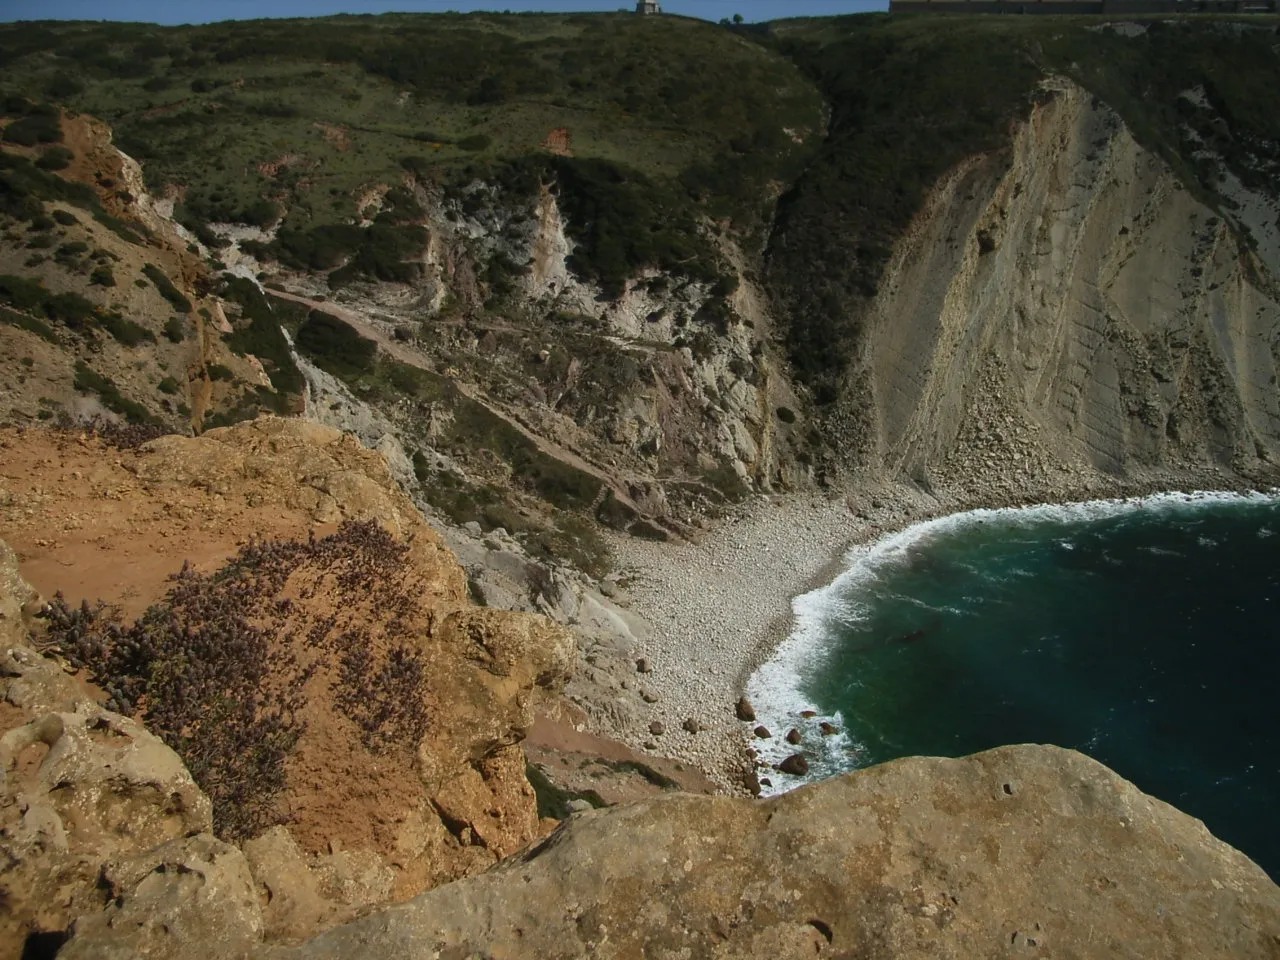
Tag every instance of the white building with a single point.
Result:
(648, 6)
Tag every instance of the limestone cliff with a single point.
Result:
(1067, 316)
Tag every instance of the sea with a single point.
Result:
(1144, 633)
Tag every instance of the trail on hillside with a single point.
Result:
(406, 355)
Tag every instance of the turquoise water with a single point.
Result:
(1147, 637)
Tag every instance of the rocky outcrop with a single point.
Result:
(1026, 850)
(1066, 315)
(85, 793)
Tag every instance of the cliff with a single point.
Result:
(1070, 314)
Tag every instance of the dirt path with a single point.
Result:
(411, 357)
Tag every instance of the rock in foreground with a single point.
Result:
(1024, 850)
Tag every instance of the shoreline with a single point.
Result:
(720, 608)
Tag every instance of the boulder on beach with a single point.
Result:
(797, 765)
(643, 665)
(693, 726)
(657, 728)
(745, 711)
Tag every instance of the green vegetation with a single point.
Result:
(75, 312)
(335, 346)
(667, 118)
(167, 290)
(257, 332)
(553, 802)
(90, 381)
(25, 322)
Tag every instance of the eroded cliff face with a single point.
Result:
(1067, 316)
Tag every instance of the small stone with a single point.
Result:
(578, 805)
(763, 733)
(828, 728)
(473, 528)
(745, 711)
(649, 696)
(793, 737)
(751, 782)
(692, 725)
(796, 765)
(657, 728)
(650, 745)
(643, 665)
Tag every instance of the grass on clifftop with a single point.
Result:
(258, 119)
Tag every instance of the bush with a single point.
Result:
(65, 217)
(335, 346)
(88, 380)
(33, 130)
(125, 331)
(218, 371)
(476, 142)
(175, 329)
(169, 386)
(102, 276)
(55, 158)
(166, 288)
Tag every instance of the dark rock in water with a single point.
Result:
(657, 728)
(692, 725)
(763, 733)
(766, 782)
(793, 737)
(745, 711)
(643, 665)
(828, 728)
(796, 765)
(808, 714)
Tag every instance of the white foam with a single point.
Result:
(776, 688)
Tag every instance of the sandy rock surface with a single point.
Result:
(1019, 851)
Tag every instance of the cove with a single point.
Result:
(1143, 633)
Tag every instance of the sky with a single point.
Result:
(203, 11)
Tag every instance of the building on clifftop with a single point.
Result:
(648, 6)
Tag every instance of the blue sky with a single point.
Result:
(202, 11)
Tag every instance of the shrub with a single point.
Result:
(88, 380)
(65, 217)
(70, 308)
(169, 386)
(32, 130)
(476, 142)
(335, 346)
(213, 672)
(166, 288)
(125, 331)
(21, 293)
(175, 329)
(55, 158)
(218, 371)
(102, 276)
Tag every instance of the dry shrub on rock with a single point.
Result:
(225, 666)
